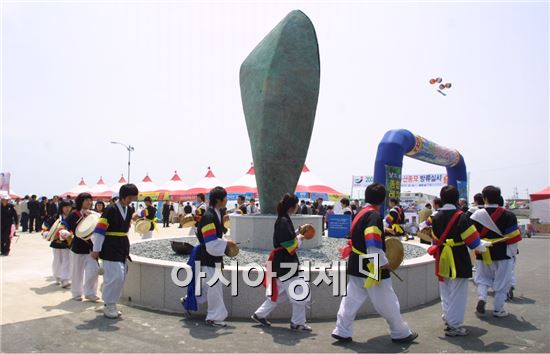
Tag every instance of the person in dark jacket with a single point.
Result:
(84, 268)
(367, 238)
(9, 218)
(34, 214)
(61, 264)
(209, 254)
(286, 242)
(166, 214)
(53, 207)
(110, 243)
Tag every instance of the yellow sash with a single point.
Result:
(447, 267)
(398, 229)
(113, 233)
(486, 256)
(368, 281)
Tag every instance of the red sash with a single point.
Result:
(435, 249)
(274, 288)
(345, 251)
(494, 216)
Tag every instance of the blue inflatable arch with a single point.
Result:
(400, 142)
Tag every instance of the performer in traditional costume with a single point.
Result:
(111, 244)
(61, 265)
(285, 242)
(209, 256)
(150, 212)
(395, 218)
(367, 237)
(84, 268)
(453, 233)
(201, 207)
(495, 266)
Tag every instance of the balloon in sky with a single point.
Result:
(439, 80)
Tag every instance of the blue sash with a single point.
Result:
(190, 303)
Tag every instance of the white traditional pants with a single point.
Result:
(213, 295)
(114, 276)
(383, 299)
(513, 278)
(298, 306)
(85, 270)
(61, 265)
(498, 276)
(147, 235)
(454, 297)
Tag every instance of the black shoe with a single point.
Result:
(263, 321)
(480, 308)
(510, 295)
(407, 339)
(342, 339)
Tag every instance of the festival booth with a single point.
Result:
(540, 211)
(311, 187)
(245, 185)
(204, 185)
(100, 191)
(81, 187)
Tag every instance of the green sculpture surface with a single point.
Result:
(279, 83)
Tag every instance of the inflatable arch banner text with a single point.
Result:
(398, 143)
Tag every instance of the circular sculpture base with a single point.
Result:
(256, 231)
(149, 285)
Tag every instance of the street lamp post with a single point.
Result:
(130, 149)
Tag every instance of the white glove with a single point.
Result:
(482, 246)
(512, 250)
(63, 234)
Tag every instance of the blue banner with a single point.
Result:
(339, 226)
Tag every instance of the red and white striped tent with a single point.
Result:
(540, 205)
(245, 184)
(147, 185)
(101, 190)
(81, 187)
(310, 183)
(174, 185)
(205, 184)
(116, 187)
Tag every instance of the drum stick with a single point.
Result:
(394, 273)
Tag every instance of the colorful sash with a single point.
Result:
(486, 256)
(190, 302)
(444, 260)
(274, 287)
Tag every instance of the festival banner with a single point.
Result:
(428, 151)
(362, 181)
(407, 181)
(393, 183)
(429, 180)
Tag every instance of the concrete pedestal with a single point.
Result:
(256, 231)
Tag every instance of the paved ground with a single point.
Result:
(38, 316)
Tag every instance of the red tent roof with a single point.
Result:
(209, 174)
(175, 177)
(122, 179)
(147, 179)
(541, 195)
(245, 184)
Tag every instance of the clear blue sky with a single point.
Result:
(164, 78)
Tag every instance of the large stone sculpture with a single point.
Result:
(279, 89)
